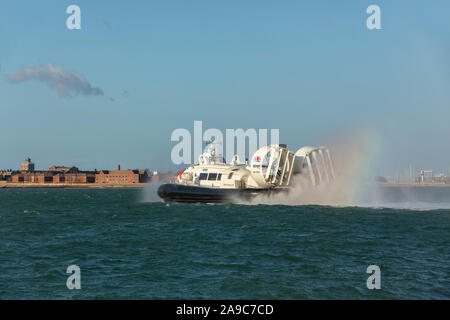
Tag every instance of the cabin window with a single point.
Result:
(219, 177)
(203, 176)
(212, 176)
(230, 175)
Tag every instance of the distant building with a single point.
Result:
(27, 165)
(61, 168)
(33, 177)
(54, 174)
(380, 179)
(53, 177)
(79, 177)
(5, 175)
(158, 178)
(72, 175)
(122, 176)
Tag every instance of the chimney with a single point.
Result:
(118, 167)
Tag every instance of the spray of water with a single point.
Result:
(149, 193)
(353, 158)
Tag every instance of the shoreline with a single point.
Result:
(73, 185)
(10, 185)
(413, 185)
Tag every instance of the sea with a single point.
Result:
(131, 246)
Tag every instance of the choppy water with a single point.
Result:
(128, 249)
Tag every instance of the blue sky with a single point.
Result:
(310, 68)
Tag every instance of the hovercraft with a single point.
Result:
(270, 171)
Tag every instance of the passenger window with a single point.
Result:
(219, 177)
(212, 176)
(203, 176)
(230, 175)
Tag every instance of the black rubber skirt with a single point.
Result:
(181, 193)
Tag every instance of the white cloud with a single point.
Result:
(64, 82)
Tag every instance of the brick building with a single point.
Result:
(122, 176)
(79, 177)
(72, 175)
(62, 168)
(33, 177)
(5, 175)
(54, 174)
(27, 165)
